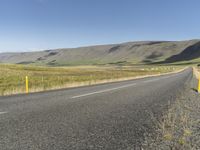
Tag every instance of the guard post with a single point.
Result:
(27, 90)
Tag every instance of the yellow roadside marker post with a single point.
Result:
(27, 84)
(198, 86)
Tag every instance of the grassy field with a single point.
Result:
(12, 77)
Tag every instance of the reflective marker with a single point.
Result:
(27, 84)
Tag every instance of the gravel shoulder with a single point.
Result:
(179, 128)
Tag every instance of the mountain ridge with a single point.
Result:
(141, 52)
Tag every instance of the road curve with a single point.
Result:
(108, 116)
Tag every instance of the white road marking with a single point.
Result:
(151, 80)
(103, 91)
(166, 77)
(3, 112)
(112, 89)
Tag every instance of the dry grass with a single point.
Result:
(179, 127)
(196, 72)
(176, 127)
(12, 77)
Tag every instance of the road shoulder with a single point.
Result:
(179, 126)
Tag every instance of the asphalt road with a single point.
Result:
(108, 116)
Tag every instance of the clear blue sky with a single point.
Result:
(27, 25)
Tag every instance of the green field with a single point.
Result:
(12, 77)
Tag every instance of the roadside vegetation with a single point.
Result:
(179, 127)
(12, 77)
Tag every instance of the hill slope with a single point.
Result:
(125, 53)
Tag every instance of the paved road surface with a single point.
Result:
(109, 116)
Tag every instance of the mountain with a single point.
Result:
(145, 52)
(190, 53)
